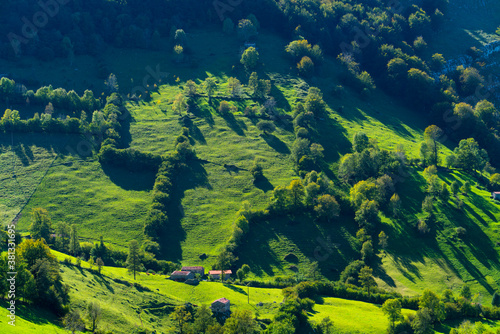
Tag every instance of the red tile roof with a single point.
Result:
(218, 272)
(180, 273)
(222, 300)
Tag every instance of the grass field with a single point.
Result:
(109, 202)
(119, 301)
(124, 308)
(443, 259)
(23, 163)
(211, 196)
(353, 316)
(29, 320)
(357, 317)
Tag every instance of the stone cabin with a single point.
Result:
(215, 274)
(495, 195)
(221, 305)
(195, 270)
(181, 276)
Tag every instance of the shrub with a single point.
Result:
(224, 107)
(305, 66)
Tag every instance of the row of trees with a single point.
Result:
(103, 124)
(258, 89)
(157, 218)
(315, 193)
(432, 309)
(64, 102)
(368, 160)
(202, 321)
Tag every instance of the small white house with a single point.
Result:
(495, 195)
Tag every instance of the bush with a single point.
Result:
(305, 66)
(224, 107)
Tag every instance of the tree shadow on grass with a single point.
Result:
(281, 100)
(125, 136)
(379, 271)
(480, 245)
(482, 204)
(257, 253)
(263, 184)
(103, 282)
(330, 134)
(471, 269)
(275, 143)
(205, 113)
(137, 181)
(191, 176)
(32, 313)
(235, 288)
(194, 132)
(238, 126)
(20, 152)
(80, 269)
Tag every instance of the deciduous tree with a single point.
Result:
(433, 133)
(40, 224)
(94, 314)
(422, 324)
(327, 207)
(181, 317)
(250, 58)
(392, 309)
(203, 320)
(73, 321)
(210, 86)
(266, 126)
(470, 156)
(366, 279)
(383, 240)
(100, 263)
(134, 257)
(240, 322)
(74, 241)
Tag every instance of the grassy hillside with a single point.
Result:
(148, 307)
(209, 196)
(124, 307)
(108, 202)
(357, 317)
(353, 316)
(29, 320)
(212, 195)
(24, 160)
(444, 259)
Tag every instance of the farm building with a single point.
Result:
(221, 305)
(495, 195)
(195, 270)
(215, 274)
(181, 276)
